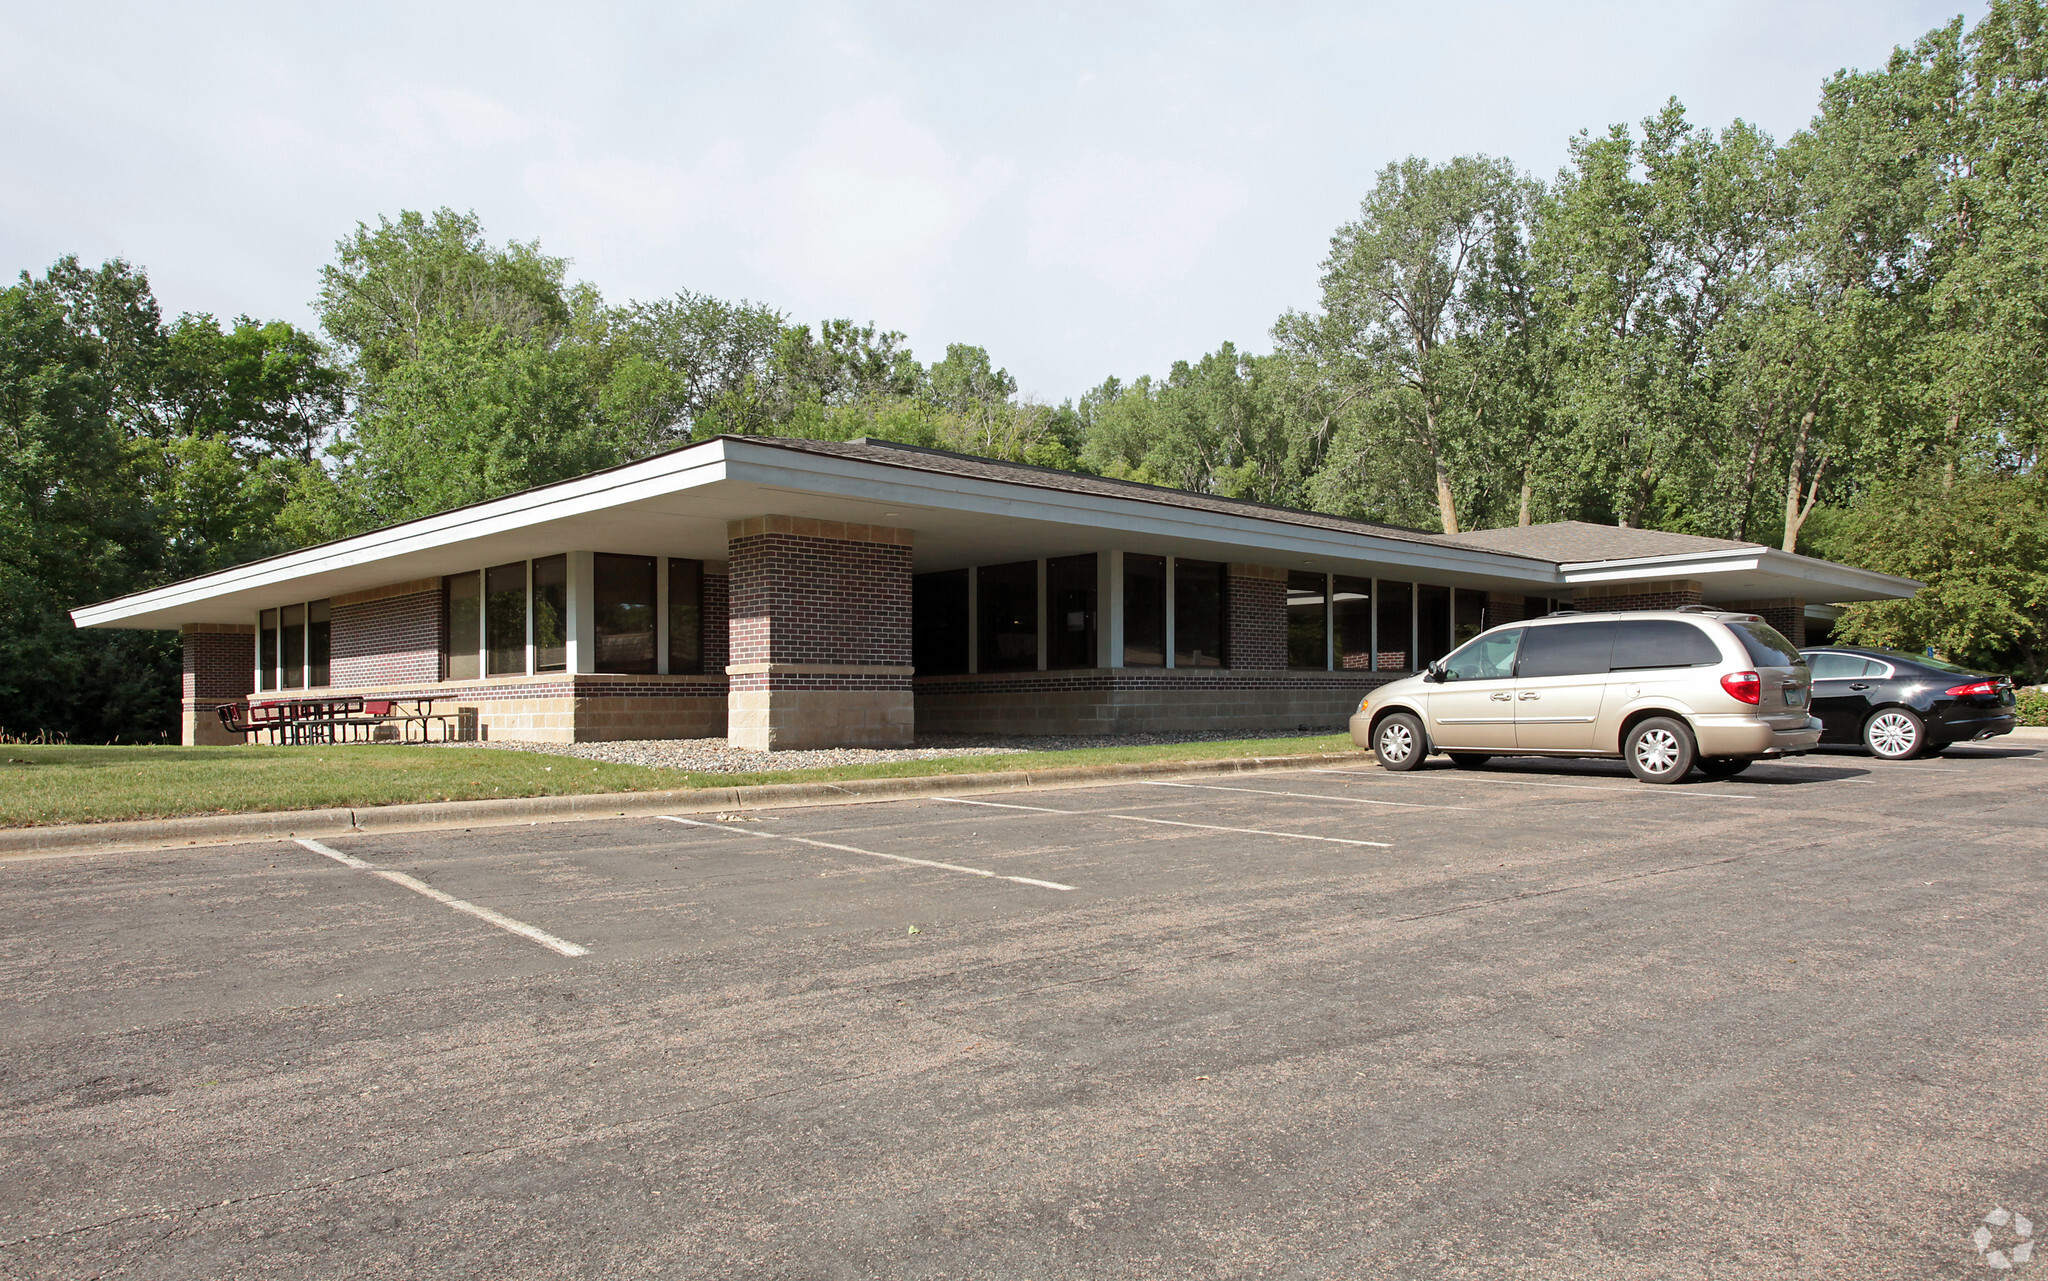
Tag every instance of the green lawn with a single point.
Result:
(103, 784)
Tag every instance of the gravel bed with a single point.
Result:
(716, 756)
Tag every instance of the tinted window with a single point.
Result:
(1651, 642)
(1490, 658)
(1923, 660)
(1766, 647)
(505, 619)
(465, 626)
(1144, 611)
(1351, 612)
(1567, 649)
(551, 614)
(685, 616)
(1197, 613)
(1836, 667)
(319, 641)
(1432, 622)
(1008, 596)
(293, 630)
(1308, 617)
(1070, 606)
(623, 603)
(266, 651)
(1397, 625)
(938, 622)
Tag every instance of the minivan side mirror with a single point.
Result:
(1434, 672)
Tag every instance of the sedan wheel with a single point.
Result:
(1894, 734)
(1398, 742)
(1660, 750)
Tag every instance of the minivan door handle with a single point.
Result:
(1501, 697)
(1530, 693)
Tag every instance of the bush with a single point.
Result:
(2033, 706)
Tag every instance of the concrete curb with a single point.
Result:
(226, 829)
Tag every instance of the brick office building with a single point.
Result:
(794, 593)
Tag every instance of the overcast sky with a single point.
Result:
(1084, 191)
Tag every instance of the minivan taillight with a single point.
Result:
(1975, 687)
(1744, 687)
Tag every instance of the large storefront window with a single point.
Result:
(624, 598)
(938, 622)
(1468, 619)
(1308, 621)
(1397, 625)
(292, 639)
(1009, 616)
(505, 619)
(1432, 623)
(551, 614)
(1351, 612)
(1070, 611)
(1198, 613)
(465, 626)
(685, 617)
(1144, 611)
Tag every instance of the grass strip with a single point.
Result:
(47, 785)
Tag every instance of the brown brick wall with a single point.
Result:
(386, 639)
(1130, 701)
(220, 660)
(1665, 594)
(716, 622)
(798, 598)
(1787, 614)
(1258, 618)
(1501, 608)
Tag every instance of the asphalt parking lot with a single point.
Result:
(1536, 1020)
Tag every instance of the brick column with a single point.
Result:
(220, 667)
(1662, 594)
(819, 637)
(386, 636)
(1787, 614)
(1258, 618)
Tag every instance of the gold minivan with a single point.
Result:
(1667, 691)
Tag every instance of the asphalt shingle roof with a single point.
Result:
(1570, 541)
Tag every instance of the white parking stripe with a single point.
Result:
(1307, 796)
(1167, 822)
(1580, 787)
(849, 849)
(498, 919)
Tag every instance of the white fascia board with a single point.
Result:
(870, 482)
(649, 478)
(1826, 577)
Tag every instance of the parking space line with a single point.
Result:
(849, 849)
(1167, 822)
(1307, 796)
(499, 919)
(1582, 787)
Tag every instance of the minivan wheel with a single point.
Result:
(1724, 766)
(1659, 750)
(1894, 734)
(1469, 760)
(1398, 742)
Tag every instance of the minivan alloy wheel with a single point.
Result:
(1397, 742)
(1657, 750)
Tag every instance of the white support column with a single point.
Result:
(1042, 630)
(1109, 609)
(582, 619)
(973, 618)
(661, 614)
(1169, 611)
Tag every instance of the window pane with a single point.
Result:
(465, 626)
(1567, 649)
(685, 617)
(551, 614)
(1070, 611)
(1308, 617)
(1009, 616)
(624, 597)
(1397, 625)
(938, 623)
(1646, 642)
(1197, 613)
(292, 642)
(1490, 658)
(319, 634)
(1766, 647)
(1837, 667)
(1469, 616)
(1144, 610)
(505, 618)
(1351, 608)
(1432, 623)
(266, 650)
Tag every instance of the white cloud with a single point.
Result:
(1130, 224)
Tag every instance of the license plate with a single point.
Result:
(1794, 697)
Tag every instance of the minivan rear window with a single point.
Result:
(1566, 649)
(1766, 647)
(1656, 642)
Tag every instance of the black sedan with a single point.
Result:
(1897, 706)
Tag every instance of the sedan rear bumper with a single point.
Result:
(1957, 729)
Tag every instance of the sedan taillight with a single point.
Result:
(1976, 687)
(1746, 687)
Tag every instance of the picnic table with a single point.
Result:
(344, 719)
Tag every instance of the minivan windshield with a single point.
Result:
(1766, 647)
(1489, 658)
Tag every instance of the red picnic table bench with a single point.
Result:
(348, 719)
